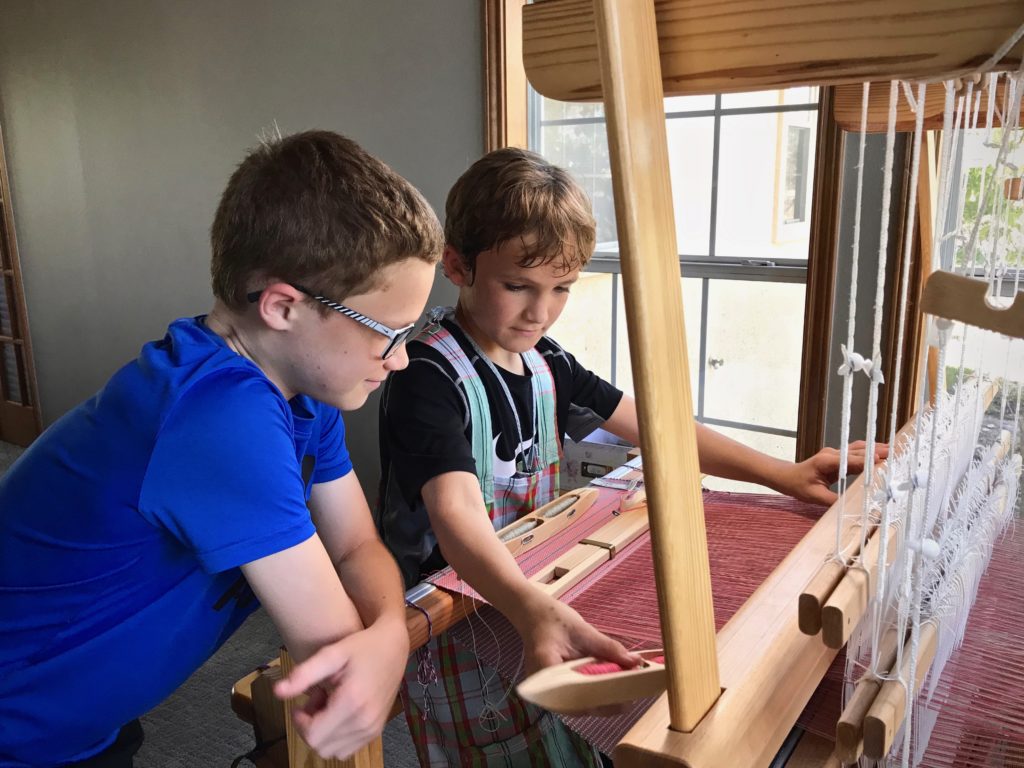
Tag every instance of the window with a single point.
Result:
(742, 169)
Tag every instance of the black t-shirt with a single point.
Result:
(425, 430)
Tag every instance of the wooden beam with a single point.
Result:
(918, 352)
(965, 299)
(848, 104)
(638, 148)
(504, 77)
(822, 257)
(748, 45)
(300, 755)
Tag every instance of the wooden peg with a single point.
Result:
(569, 688)
(816, 594)
(818, 590)
(850, 727)
(885, 717)
(847, 603)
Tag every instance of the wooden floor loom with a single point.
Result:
(732, 698)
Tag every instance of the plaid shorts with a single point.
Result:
(469, 717)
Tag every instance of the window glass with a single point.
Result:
(582, 149)
(754, 344)
(741, 191)
(801, 95)
(569, 110)
(585, 326)
(765, 171)
(690, 156)
(691, 319)
(774, 445)
(690, 103)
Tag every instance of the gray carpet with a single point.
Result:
(196, 728)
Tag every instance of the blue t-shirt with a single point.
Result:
(122, 529)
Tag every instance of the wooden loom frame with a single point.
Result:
(632, 55)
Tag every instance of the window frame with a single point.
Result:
(506, 124)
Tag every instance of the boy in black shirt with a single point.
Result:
(470, 441)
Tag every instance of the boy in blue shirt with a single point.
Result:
(142, 527)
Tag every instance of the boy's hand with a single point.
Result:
(809, 480)
(553, 632)
(352, 685)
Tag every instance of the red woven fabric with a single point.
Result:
(748, 535)
(978, 703)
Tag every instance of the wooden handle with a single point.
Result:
(300, 755)
(850, 727)
(567, 689)
(816, 594)
(848, 601)
(824, 582)
(885, 717)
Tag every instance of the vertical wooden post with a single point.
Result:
(634, 103)
(300, 755)
(505, 92)
(927, 191)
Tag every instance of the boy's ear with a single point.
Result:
(454, 266)
(277, 305)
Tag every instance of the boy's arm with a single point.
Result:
(367, 570)
(355, 671)
(552, 632)
(722, 456)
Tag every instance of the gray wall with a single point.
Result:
(124, 118)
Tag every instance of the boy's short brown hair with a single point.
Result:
(316, 209)
(511, 193)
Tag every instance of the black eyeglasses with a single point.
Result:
(396, 336)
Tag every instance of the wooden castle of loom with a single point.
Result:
(731, 698)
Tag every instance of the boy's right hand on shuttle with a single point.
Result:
(553, 632)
